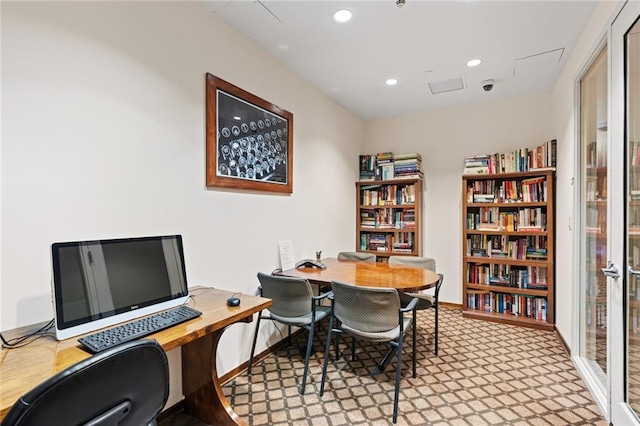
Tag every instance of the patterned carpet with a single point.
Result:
(485, 374)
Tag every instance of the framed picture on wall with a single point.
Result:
(249, 140)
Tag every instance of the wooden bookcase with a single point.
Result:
(508, 229)
(389, 217)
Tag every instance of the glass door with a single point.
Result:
(594, 202)
(624, 256)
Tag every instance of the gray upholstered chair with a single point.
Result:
(372, 314)
(425, 300)
(357, 256)
(293, 305)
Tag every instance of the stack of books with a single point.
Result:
(386, 166)
(407, 166)
(384, 169)
(367, 167)
(477, 164)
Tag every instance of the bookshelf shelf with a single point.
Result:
(389, 206)
(388, 217)
(370, 229)
(507, 205)
(505, 261)
(508, 319)
(510, 290)
(501, 232)
(510, 240)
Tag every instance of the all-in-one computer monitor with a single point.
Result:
(100, 283)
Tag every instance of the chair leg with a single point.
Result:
(253, 346)
(413, 325)
(288, 335)
(398, 373)
(436, 336)
(353, 348)
(306, 358)
(326, 356)
(336, 347)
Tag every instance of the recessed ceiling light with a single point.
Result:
(474, 62)
(342, 15)
(392, 82)
(237, 118)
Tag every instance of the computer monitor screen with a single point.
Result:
(100, 283)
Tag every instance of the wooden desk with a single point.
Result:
(402, 278)
(24, 368)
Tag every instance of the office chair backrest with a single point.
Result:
(291, 296)
(369, 309)
(414, 261)
(357, 256)
(127, 385)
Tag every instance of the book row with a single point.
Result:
(596, 155)
(634, 288)
(520, 160)
(634, 153)
(387, 195)
(532, 190)
(596, 188)
(511, 304)
(402, 242)
(530, 277)
(493, 219)
(507, 247)
(596, 314)
(635, 323)
(388, 218)
(596, 219)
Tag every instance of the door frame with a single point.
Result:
(598, 392)
(621, 413)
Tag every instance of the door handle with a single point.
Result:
(635, 272)
(611, 271)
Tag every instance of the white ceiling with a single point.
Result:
(523, 45)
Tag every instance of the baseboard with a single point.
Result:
(257, 358)
(563, 343)
(171, 411)
(450, 305)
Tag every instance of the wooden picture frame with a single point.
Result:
(249, 140)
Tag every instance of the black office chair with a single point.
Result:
(127, 385)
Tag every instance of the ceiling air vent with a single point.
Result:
(443, 86)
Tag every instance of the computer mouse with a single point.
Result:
(233, 301)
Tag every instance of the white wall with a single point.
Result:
(103, 113)
(444, 137)
(564, 129)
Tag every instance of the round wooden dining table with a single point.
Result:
(379, 274)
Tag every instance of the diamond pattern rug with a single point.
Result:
(485, 374)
